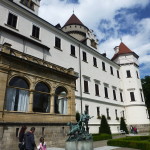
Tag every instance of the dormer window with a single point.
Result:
(28, 3)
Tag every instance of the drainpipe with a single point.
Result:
(80, 77)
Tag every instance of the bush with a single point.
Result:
(123, 125)
(140, 142)
(104, 127)
(100, 137)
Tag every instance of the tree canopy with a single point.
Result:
(146, 91)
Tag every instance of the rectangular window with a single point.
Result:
(137, 74)
(132, 96)
(96, 90)
(57, 43)
(121, 98)
(87, 109)
(142, 97)
(98, 111)
(35, 32)
(73, 50)
(123, 114)
(12, 20)
(118, 74)
(128, 74)
(107, 111)
(86, 88)
(147, 113)
(111, 70)
(114, 94)
(84, 56)
(116, 114)
(103, 66)
(94, 62)
(106, 92)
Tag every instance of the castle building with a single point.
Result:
(48, 73)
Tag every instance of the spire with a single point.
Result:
(73, 20)
(122, 49)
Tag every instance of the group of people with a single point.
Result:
(27, 142)
(133, 130)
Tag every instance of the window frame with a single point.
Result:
(106, 92)
(10, 25)
(35, 36)
(94, 62)
(103, 66)
(72, 50)
(86, 86)
(114, 94)
(57, 43)
(132, 97)
(97, 89)
(128, 72)
(84, 56)
(111, 70)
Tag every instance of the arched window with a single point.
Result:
(41, 101)
(17, 97)
(61, 100)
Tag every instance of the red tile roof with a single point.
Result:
(73, 20)
(123, 49)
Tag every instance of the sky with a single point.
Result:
(112, 21)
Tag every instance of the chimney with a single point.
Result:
(116, 49)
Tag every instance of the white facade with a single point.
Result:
(44, 48)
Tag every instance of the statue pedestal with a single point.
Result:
(79, 145)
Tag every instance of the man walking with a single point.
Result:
(29, 139)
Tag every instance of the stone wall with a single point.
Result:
(55, 136)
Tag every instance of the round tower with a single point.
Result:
(75, 28)
(134, 99)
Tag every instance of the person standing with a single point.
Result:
(29, 139)
(21, 138)
(42, 145)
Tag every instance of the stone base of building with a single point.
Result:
(141, 127)
(55, 135)
(79, 145)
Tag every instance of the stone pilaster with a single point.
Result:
(31, 102)
(52, 103)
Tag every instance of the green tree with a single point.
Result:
(146, 91)
(104, 127)
(123, 125)
(77, 116)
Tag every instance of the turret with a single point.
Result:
(30, 5)
(123, 55)
(129, 70)
(75, 28)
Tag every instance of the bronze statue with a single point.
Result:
(78, 132)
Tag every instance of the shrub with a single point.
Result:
(100, 137)
(141, 143)
(123, 125)
(104, 127)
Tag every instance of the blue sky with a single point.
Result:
(111, 21)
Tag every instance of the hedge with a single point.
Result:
(100, 137)
(139, 142)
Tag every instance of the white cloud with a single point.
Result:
(93, 12)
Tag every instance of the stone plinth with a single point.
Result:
(79, 145)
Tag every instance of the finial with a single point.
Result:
(121, 39)
(73, 10)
